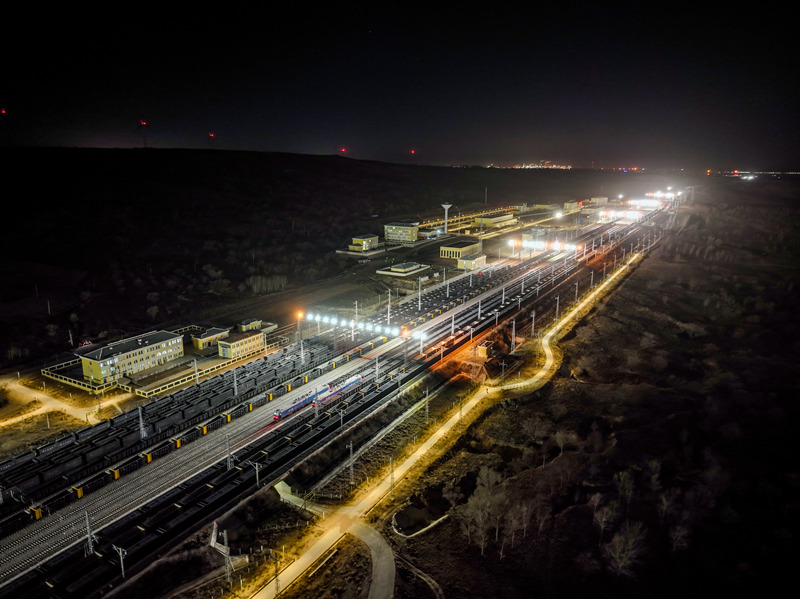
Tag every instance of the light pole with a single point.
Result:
(299, 318)
(556, 318)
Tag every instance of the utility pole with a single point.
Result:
(236, 388)
(556, 318)
(351, 464)
(426, 406)
(533, 323)
(229, 459)
(389, 308)
(257, 467)
(122, 553)
(142, 427)
(90, 536)
(513, 335)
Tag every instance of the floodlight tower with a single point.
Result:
(446, 208)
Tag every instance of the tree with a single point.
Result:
(605, 516)
(625, 548)
(654, 475)
(666, 501)
(624, 482)
(478, 509)
(541, 512)
(561, 438)
(513, 521)
(679, 537)
(152, 312)
(594, 501)
(452, 493)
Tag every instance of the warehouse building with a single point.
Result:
(459, 249)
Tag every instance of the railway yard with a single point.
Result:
(138, 483)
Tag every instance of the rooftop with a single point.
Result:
(124, 346)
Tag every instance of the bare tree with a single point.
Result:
(525, 516)
(666, 502)
(497, 511)
(624, 482)
(594, 501)
(561, 438)
(513, 521)
(541, 512)
(604, 516)
(452, 493)
(654, 475)
(625, 548)
(679, 537)
(466, 524)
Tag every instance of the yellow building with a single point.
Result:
(364, 243)
(494, 222)
(473, 262)
(249, 324)
(401, 232)
(241, 344)
(459, 249)
(209, 337)
(129, 356)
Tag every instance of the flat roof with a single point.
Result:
(460, 244)
(239, 335)
(124, 346)
(473, 257)
(210, 333)
(367, 236)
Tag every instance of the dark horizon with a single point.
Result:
(585, 87)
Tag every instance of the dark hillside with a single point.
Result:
(119, 240)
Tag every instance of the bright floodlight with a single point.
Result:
(559, 214)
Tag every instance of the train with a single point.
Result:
(318, 397)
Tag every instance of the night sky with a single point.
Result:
(673, 87)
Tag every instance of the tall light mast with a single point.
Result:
(446, 208)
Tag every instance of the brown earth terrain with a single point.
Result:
(658, 464)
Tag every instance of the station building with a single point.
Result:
(241, 344)
(209, 337)
(472, 262)
(129, 356)
(459, 249)
(404, 269)
(494, 222)
(401, 232)
(364, 243)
